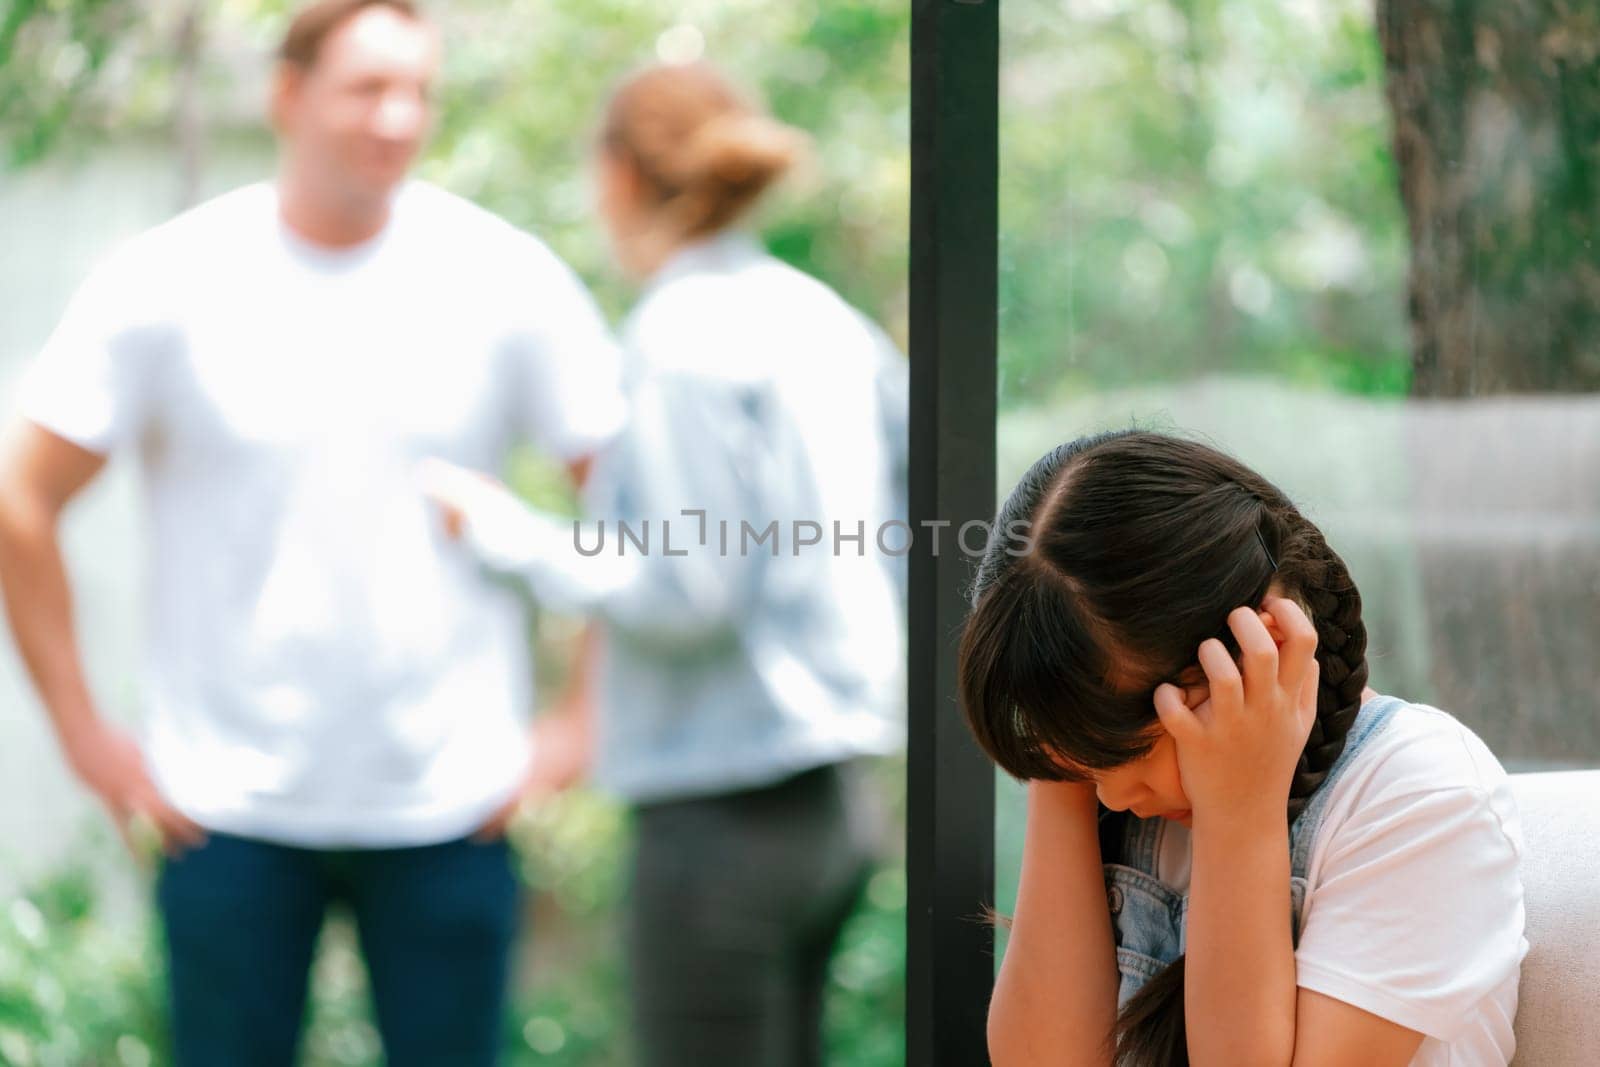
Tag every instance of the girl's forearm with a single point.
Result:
(1055, 997)
(1239, 980)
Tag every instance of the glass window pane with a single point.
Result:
(1353, 248)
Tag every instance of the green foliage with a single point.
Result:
(51, 57)
(75, 989)
(1196, 188)
(526, 82)
(78, 989)
(867, 999)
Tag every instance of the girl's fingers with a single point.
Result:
(1258, 652)
(1308, 696)
(1175, 716)
(1299, 641)
(1222, 676)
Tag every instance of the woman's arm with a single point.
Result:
(1055, 999)
(677, 594)
(690, 461)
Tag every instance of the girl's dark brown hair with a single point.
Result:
(1126, 550)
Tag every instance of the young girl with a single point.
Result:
(1236, 852)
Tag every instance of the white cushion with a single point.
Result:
(1558, 1010)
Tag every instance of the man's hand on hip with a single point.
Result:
(109, 762)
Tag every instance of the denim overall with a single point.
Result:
(1149, 916)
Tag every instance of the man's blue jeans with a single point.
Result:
(436, 924)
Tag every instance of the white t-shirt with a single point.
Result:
(1414, 900)
(323, 667)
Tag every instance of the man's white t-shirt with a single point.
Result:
(323, 666)
(1414, 897)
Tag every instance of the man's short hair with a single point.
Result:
(315, 23)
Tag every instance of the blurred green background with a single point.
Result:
(1191, 191)
(123, 112)
(1188, 188)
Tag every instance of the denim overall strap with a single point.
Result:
(1141, 843)
(1374, 715)
(1149, 918)
(1370, 721)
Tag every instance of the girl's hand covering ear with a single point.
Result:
(1237, 750)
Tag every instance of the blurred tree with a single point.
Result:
(1497, 135)
(1192, 188)
(52, 54)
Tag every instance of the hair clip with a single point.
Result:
(1270, 558)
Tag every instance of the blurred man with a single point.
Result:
(335, 701)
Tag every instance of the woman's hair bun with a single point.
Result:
(705, 152)
(745, 151)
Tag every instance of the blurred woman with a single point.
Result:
(751, 642)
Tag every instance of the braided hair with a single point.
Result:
(1119, 555)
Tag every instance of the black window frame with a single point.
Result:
(953, 337)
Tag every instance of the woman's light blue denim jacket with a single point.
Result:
(736, 653)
